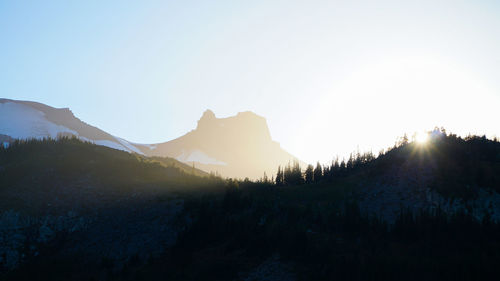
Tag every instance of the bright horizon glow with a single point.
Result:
(330, 77)
(422, 137)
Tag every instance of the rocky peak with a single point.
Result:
(207, 120)
(208, 114)
(246, 125)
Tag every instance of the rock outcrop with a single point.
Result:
(239, 146)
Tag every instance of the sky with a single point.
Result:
(330, 77)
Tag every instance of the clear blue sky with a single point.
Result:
(328, 75)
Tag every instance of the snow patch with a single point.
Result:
(107, 143)
(200, 157)
(85, 139)
(110, 144)
(20, 121)
(129, 146)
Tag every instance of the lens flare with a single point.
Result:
(422, 137)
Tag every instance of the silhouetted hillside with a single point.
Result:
(458, 167)
(76, 211)
(451, 165)
(65, 171)
(89, 200)
(446, 172)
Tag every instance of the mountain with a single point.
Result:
(27, 119)
(238, 146)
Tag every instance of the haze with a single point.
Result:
(329, 76)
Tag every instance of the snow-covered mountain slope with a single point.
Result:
(22, 122)
(27, 120)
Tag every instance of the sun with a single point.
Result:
(422, 137)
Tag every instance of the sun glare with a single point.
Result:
(422, 137)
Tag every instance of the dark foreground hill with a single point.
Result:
(447, 171)
(101, 197)
(68, 173)
(116, 216)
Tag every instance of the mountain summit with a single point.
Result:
(238, 146)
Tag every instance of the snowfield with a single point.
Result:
(200, 157)
(129, 146)
(20, 121)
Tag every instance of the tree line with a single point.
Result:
(292, 174)
(452, 150)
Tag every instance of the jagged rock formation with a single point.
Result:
(239, 146)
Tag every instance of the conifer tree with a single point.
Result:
(327, 172)
(350, 162)
(309, 174)
(297, 173)
(287, 175)
(265, 179)
(318, 172)
(279, 177)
